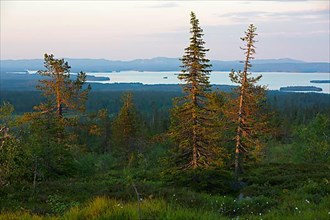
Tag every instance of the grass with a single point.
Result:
(302, 209)
(105, 208)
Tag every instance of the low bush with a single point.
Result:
(216, 181)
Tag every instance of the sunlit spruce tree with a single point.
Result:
(61, 91)
(190, 120)
(250, 115)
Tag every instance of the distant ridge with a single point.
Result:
(167, 64)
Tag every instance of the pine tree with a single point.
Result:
(50, 137)
(61, 92)
(190, 121)
(250, 116)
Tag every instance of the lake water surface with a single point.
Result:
(274, 80)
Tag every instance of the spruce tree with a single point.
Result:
(249, 116)
(126, 128)
(190, 121)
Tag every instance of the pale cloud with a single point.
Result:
(294, 33)
(168, 4)
(265, 16)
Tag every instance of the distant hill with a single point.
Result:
(167, 64)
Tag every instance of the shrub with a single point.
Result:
(201, 180)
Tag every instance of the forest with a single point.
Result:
(74, 150)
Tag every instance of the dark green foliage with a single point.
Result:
(13, 157)
(13, 161)
(307, 143)
(96, 131)
(293, 109)
(220, 131)
(127, 130)
(216, 181)
(49, 145)
(298, 108)
(274, 179)
(312, 142)
(24, 101)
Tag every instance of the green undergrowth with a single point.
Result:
(275, 180)
(270, 191)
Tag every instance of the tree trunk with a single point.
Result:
(139, 200)
(239, 128)
(59, 99)
(60, 110)
(194, 138)
(240, 115)
(194, 161)
(35, 176)
(236, 162)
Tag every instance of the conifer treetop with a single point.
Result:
(195, 66)
(249, 47)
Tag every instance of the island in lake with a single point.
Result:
(97, 78)
(300, 89)
(320, 81)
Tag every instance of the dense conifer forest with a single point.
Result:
(72, 151)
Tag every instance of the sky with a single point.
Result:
(126, 30)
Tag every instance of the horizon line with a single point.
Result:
(124, 60)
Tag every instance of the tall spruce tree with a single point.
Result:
(190, 121)
(250, 117)
(61, 92)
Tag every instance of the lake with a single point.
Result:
(273, 80)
